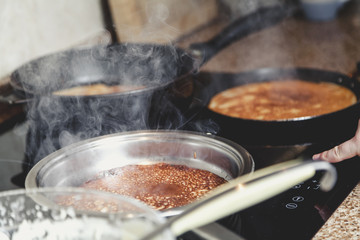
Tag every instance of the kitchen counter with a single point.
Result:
(295, 42)
(344, 223)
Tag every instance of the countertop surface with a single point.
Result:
(344, 223)
(296, 42)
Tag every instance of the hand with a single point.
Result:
(346, 150)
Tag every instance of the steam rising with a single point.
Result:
(57, 121)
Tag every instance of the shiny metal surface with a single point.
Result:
(80, 162)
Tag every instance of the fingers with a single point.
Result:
(341, 152)
(357, 134)
(346, 150)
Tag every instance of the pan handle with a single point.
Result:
(13, 99)
(239, 28)
(7, 94)
(356, 74)
(247, 191)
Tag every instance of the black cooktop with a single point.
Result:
(301, 211)
(297, 213)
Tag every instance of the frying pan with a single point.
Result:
(165, 71)
(322, 130)
(151, 65)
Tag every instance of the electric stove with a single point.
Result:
(302, 210)
(297, 213)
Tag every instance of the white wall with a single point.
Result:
(31, 28)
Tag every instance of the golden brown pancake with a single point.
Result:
(96, 89)
(280, 100)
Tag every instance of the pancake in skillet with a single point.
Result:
(281, 100)
(96, 89)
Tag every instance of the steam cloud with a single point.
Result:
(57, 121)
(61, 120)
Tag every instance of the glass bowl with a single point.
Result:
(74, 213)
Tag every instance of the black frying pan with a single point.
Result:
(165, 71)
(128, 63)
(324, 129)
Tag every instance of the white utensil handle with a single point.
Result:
(246, 191)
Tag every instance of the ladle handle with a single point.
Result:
(247, 191)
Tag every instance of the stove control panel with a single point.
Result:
(301, 211)
(300, 194)
(284, 216)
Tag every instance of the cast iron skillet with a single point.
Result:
(152, 65)
(166, 72)
(324, 129)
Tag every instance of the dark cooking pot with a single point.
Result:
(323, 129)
(164, 70)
